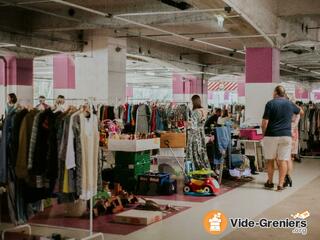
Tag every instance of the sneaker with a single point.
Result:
(268, 185)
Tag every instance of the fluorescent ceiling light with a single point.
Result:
(150, 73)
(6, 45)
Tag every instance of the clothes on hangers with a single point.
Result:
(309, 128)
(46, 153)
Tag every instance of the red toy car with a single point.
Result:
(201, 183)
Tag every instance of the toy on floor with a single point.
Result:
(197, 183)
(151, 205)
(201, 183)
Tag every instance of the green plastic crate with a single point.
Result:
(126, 158)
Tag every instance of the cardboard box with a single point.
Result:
(138, 217)
(176, 140)
(133, 145)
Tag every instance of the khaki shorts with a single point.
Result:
(277, 148)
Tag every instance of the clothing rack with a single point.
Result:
(90, 101)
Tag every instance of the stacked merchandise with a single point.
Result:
(47, 152)
(309, 128)
(129, 165)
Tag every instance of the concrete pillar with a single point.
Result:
(16, 76)
(262, 75)
(98, 72)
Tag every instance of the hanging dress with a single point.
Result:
(295, 133)
(196, 149)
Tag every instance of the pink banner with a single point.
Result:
(63, 72)
(188, 84)
(301, 93)
(129, 91)
(316, 95)
(226, 95)
(19, 71)
(241, 89)
(262, 65)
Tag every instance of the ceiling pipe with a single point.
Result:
(172, 33)
(237, 37)
(171, 12)
(195, 49)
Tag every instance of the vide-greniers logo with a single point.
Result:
(215, 222)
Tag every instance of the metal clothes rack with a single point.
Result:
(90, 101)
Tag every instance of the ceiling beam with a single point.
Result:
(38, 42)
(65, 17)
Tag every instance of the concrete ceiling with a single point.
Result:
(40, 27)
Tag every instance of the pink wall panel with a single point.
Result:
(226, 95)
(316, 95)
(301, 93)
(2, 72)
(241, 89)
(262, 65)
(129, 92)
(187, 84)
(19, 71)
(63, 72)
(177, 84)
(24, 72)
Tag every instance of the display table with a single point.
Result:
(133, 145)
(251, 150)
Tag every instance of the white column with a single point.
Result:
(100, 71)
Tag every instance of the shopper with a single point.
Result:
(12, 103)
(59, 105)
(242, 114)
(196, 149)
(212, 121)
(42, 103)
(295, 145)
(276, 127)
(222, 120)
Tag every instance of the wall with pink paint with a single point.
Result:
(19, 71)
(241, 89)
(301, 93)
(316, 95)
(188, 84)
(262, 65)
(63, 72)
(129, 92)
(24, 72)
(226, 95)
